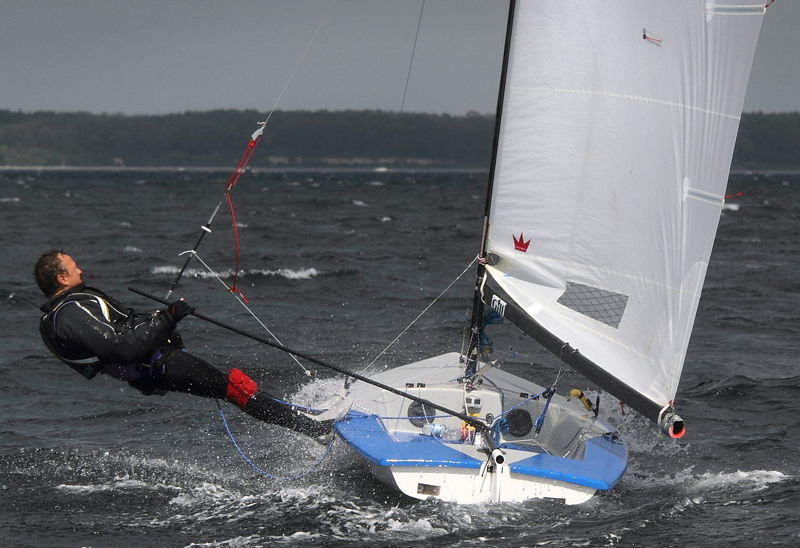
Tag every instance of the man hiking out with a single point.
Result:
(95, 334)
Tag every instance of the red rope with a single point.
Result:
(232, 180)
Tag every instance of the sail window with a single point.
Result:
(599, 304)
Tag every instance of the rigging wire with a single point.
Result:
(405, 89)
(251, 147)
(246, 307)
(418, 317)
(234, 178)
(411, 62)
(300, 60)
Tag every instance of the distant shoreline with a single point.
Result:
(255, 170)
(314, 169)
(356, 141)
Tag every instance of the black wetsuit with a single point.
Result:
(93, 333)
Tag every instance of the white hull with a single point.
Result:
(570, 459)
(469, 487)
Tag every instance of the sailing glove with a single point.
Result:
(179, 310)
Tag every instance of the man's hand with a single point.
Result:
(179, 310)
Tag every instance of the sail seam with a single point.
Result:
(630, 97)
(624, 275)
(752, 9)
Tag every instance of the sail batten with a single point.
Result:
(617, 132)
(643, 99)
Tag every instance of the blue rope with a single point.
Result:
(534, 397)
(248, 461)
(501, 424)
(540, 421)
(490, 317)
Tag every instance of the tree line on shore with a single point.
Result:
(364, 138)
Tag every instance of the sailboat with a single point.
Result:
(616, 125)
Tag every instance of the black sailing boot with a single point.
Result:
(244, 393)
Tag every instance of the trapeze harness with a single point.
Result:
(92, 333)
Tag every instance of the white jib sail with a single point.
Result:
(617, 133)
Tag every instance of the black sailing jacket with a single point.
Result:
(87, 329)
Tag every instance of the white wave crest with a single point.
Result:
(117, 484)
(288, 273)
(9, 199)
(421, 526)
(206, 492)
(235, 542)
(754, 479)
(698, 487)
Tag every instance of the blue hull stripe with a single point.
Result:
(603, 465)
(366, 434)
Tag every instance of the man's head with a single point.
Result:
(56, 272)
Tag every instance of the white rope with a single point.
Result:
(417, 318)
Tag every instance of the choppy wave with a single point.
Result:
(737, 487)
(755, 480)
(163, 468)
(298, 274)
(117, 484)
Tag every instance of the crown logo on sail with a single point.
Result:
(521, 245)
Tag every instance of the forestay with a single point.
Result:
(617, 132)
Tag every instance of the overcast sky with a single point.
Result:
(166, 56)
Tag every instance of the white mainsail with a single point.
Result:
(617, 131)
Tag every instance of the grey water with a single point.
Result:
(338, 264)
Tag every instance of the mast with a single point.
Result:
(477, 322)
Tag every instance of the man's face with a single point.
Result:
(72, 276)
